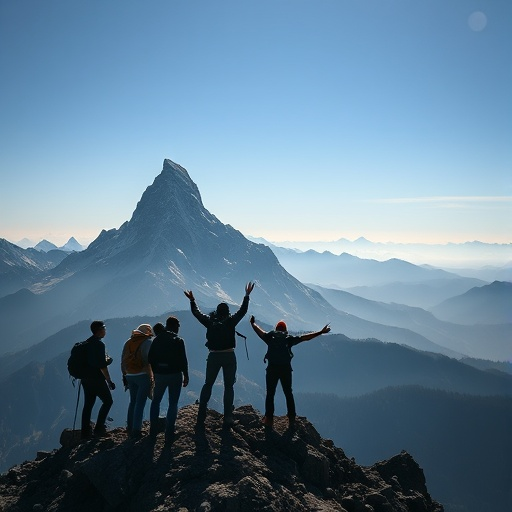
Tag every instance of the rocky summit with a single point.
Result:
(245, 468)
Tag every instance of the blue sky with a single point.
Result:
(298, 120)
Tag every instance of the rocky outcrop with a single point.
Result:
(247, 468)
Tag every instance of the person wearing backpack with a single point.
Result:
(96, 382)
(279, 356)
(168, 360)
(220, 335)
(138, 376)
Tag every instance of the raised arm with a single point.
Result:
(204, 319)
(236, 317)
(257, 329)
(324, 330)
(249, 287)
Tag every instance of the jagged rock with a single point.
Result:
(70, 438)
(246, 468)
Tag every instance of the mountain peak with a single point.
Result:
(243, 469)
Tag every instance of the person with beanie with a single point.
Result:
(279, 369)
(220, 335)
(138, 376)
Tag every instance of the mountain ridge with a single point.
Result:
(243, 469)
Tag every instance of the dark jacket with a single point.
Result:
(167, 354)
(96, 357)
(230, 321)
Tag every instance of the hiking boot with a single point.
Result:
(267, 421)
(86, 434)
(228, 422)
(136, 434)
(169, 438)
(100, 431)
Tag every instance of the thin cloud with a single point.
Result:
(446, 200)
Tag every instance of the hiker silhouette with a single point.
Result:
(279, 369)
(97, 382)
(220, 335)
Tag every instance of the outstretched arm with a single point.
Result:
(324, 330)
(257, 329)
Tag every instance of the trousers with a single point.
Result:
(95, 388)
(214, 363)
(171, 382)
(276, 373)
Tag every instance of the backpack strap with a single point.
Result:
(245, 340)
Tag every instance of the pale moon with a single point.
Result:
(477, 21)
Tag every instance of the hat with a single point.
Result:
(145, 329)
(281, 326)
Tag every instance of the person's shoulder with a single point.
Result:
(95, 342)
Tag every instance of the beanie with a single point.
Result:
(281, 326)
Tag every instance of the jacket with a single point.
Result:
(168, 355)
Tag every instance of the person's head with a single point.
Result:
(172, 324)
(222, 310)
(98, 328)
(281, 326)
(144, 329)
(158, 328)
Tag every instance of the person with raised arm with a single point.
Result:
(279, 369)
(220, 341)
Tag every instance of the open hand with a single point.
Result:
(189, 294)
(325, 329)
(249, 287)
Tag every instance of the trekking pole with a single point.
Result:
(77, 400)
(245, 340)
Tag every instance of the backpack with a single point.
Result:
(132, 361)
(163, 351)
(278, 350)
(219, 334)
(78, 367)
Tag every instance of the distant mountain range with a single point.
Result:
(392, 280)
(44, 245)
(442, 326)
(491, 304)
(467, 255)
(21, 268)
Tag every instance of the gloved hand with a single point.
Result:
(125, 383)
(111, 385)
